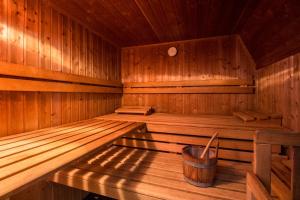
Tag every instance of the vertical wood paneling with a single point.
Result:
(211, 58)
(33, 34)
(278, 90)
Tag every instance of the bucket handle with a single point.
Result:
(209, 143)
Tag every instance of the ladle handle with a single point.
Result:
(208, 145)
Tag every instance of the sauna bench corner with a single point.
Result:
(31, 156)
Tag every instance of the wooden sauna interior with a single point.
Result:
(66, 66)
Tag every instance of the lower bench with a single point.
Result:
(130, 173)
(31, 156)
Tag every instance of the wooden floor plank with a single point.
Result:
(140, 171)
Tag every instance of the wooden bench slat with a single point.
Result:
(133, 169)
(18, 174)
(177, 148)
(179, 187)
(54, 144)
(160, 177)
(223, 143)
(14, 168)
(207, 121)
(21, 136)
(44, 135)
(174, 161)
(41, 141)
(191, 130)
(81, 182)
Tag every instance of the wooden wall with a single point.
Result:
(212, 58)
(278, 90)
(33, 34)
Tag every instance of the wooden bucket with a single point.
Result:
(199, 163)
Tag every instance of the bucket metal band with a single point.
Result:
(198, 165)
(198, 184)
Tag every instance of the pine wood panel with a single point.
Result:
(34, 35)
(255, 21)
(220, 58)
(278, 90)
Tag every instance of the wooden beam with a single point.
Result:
(295, 184)
(278, 137)
(9, 84)
(191, 90)
(255, 189)
(280, 188)
(262, 164)
(233, 82)
(18, 70)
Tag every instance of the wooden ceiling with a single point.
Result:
(270, 29)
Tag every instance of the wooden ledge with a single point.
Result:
(277, 137)
(10, 84)
(192, 83)
(234, 86)
(18, 70)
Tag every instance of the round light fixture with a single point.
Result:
(172, 51)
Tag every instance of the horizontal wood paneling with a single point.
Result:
(278, 90)
(12, 84)
(191, 90)
(17, 70)
(232, 82)
(219, 58)
(38, 39)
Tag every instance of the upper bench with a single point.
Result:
(29, 156)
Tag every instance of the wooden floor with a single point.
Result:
(130, 173)
(29, 156)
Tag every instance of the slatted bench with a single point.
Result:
(148, 165)
(30, 156)
(171, 132)
(130, 173)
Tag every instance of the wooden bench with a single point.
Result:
(266, 176)
(130, 173)
(148, 164)
(171, 132)
(31, 156)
